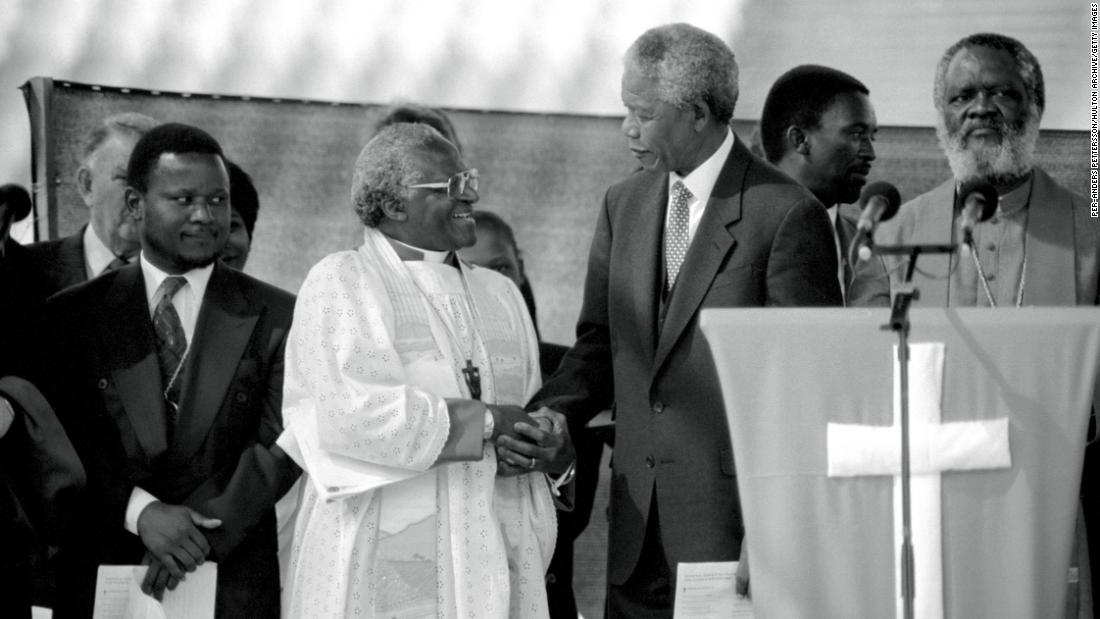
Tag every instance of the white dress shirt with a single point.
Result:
(700, 182)
(834, 212)
(97, 256)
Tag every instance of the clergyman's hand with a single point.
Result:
(172, 536)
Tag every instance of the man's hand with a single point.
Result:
(175, 544)
(541, 445)
(157, 578)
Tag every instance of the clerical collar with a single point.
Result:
(411, 253)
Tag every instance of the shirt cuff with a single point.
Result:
(490, 425)
(139, 500)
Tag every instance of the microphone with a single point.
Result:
(15, 204)
(977, 201)
(880, 201)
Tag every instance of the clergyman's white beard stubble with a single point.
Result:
(996, 163)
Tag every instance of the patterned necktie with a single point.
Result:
(676, 232)
(171, 342)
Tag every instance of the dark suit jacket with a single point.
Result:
(763, 240)
(221, 460)
(62, 260)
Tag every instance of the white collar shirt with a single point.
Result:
(187, 299)
(97, 256)
(700, 182)
(834, 212)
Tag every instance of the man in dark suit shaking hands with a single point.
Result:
(168, 378)
(704, 224)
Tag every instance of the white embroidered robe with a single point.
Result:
(380, 531)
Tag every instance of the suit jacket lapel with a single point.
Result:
(1050, 267)
(222, 331)
(135, 372)
(647, 264)
(70, 269)
(936, 225)
(709, 247)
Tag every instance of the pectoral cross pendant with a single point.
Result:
(473, 379)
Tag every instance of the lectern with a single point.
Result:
(1001, 401)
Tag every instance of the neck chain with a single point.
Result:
(171, 381)
(1023, 267)
(985, 281)
(471, 373)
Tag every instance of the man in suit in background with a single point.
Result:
(818, 126)
(242, 219)
(167, 374)
(704, 224)
(110, 239)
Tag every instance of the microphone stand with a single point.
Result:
(899, 323)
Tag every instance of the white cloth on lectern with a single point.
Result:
(934, 447)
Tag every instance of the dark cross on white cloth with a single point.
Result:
(472, 374)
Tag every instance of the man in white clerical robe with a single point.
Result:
(403, 367)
